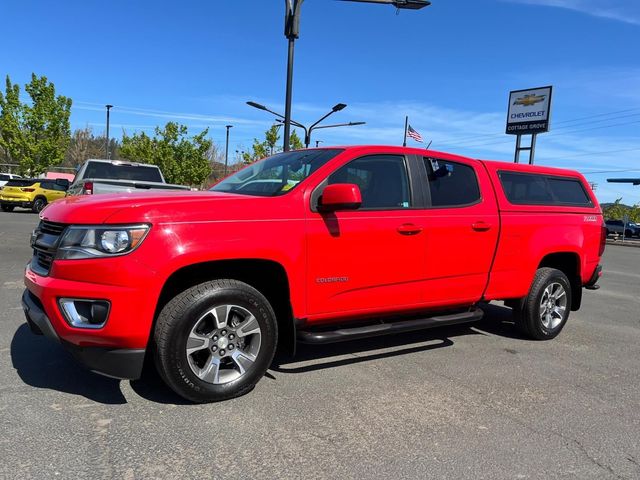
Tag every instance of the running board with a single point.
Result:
(354, 333)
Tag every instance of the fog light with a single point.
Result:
(85, 313)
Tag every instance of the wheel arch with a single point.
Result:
(267, 276)
(569, 263)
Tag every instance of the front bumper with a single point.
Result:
(122, 363)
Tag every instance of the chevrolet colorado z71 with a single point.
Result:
(321, 245)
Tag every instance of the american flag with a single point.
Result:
(415, 135)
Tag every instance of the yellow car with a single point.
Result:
(33, 193)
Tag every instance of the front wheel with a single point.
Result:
(544, 312)
(215, 340)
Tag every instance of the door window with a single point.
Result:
(452, 184)
(382, 179)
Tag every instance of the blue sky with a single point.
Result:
(449, 67)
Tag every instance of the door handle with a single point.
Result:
(481, 226)
(409, 229)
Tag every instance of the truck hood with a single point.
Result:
(163, 207)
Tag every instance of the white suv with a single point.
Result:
(5, 177)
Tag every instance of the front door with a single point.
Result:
(370, 259)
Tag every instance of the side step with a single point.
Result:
(354, 333)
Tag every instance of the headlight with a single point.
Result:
(103, 241)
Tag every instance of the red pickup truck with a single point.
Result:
(318, 245)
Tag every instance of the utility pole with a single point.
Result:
(226, 150)
(109, 107)
(292, 32)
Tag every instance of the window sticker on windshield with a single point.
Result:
(405, 204)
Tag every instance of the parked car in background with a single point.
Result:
(5, 177)
(32, 193)
(116, 176)
(618, 227)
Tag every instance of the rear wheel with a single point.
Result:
(7, 208)
(38, 204)
(215, 340)
(544, 312)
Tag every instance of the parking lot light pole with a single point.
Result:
(226, 150)
(350, 124)
(292, 32)
(109, 107)
(314, 126)
(307, 133)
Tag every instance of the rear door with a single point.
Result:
(52, 190)
(369, 259)
(461, 230)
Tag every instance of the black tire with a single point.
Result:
(184, 313)
(7, 208)
(38, 204)
(628, 233)
(528, 316)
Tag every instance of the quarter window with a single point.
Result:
(451, 184)
(382, 179)
(536, 189)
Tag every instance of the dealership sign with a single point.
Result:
(529, 111)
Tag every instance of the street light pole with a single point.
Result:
(226, 150)
(109, 107)
(291, 31)
(307, 130)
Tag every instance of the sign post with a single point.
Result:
(529, 113)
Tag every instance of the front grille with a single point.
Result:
(45, 245)
(51, 228)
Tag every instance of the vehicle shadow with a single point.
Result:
(42, 363)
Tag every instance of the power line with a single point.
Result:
(551, 134)
(486, 136)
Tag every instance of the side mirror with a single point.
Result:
(340, 196)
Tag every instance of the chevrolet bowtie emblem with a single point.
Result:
(529, 99)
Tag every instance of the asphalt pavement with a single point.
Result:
(466, 402)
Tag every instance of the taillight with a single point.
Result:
(28, 190)
(603, 238)
(88, 188)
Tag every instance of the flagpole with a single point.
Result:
(406, 124)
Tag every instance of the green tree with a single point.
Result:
(294, 141)
(617, 210)
(34, 135)
(268, 146)
(183, 160)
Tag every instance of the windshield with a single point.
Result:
(276, 175)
